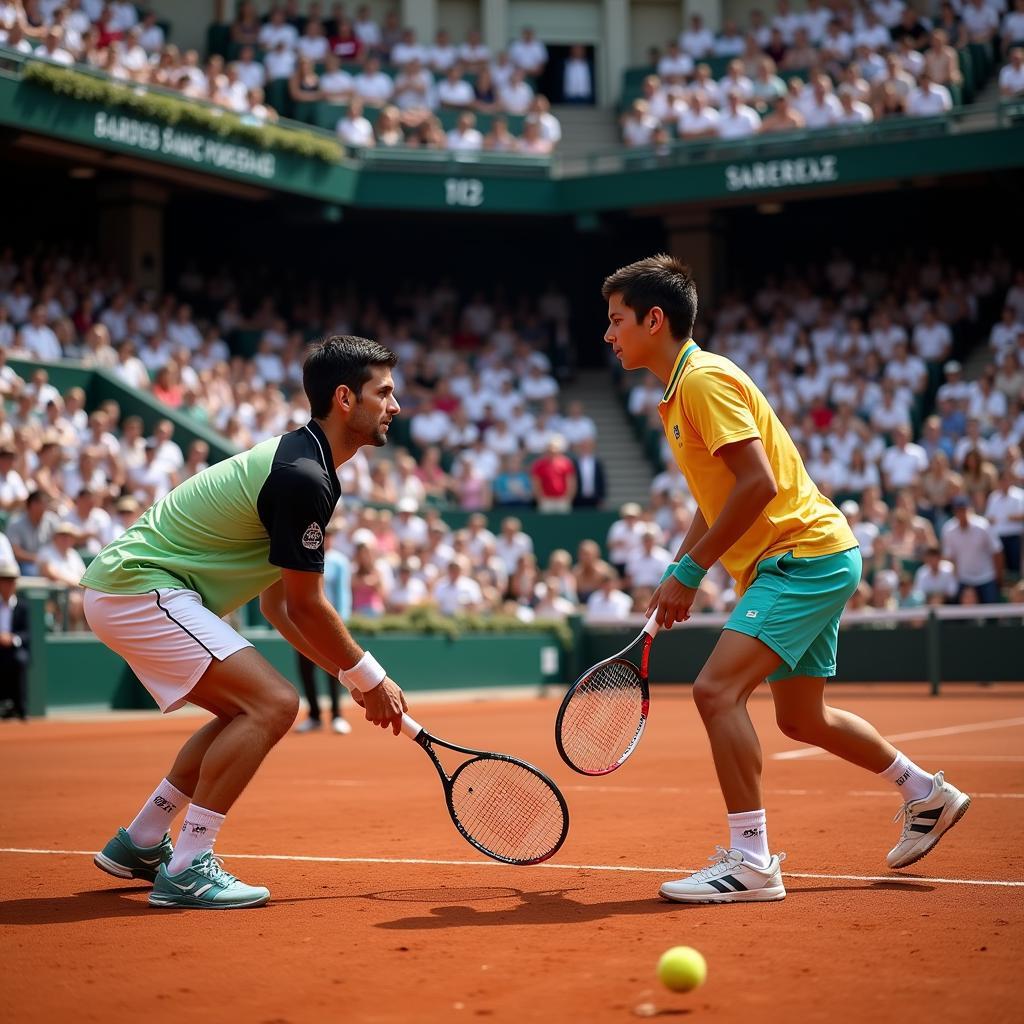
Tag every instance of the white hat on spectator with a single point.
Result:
(364, 536)
(9, 571)
(952, 366)
(407, 505)
(631, 508)
(850, 508)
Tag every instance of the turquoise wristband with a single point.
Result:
(689, 573)
(669, 570)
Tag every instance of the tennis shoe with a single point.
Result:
(340, 726)
(123, 859)
(205, 886)
(926, 821)
(729, 879)
(309, 725)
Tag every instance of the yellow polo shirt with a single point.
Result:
(710, 402)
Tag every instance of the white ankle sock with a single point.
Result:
(748, 833)
(156, 815)
(198, 834)
(912, 782)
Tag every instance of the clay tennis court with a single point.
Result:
(380, 912)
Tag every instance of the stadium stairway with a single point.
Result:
(627, 470)
(585, 130)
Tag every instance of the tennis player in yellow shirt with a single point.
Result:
(795, 562)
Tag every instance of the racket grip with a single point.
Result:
(411, 727)
(651, 627)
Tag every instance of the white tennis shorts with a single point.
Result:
(168, 637)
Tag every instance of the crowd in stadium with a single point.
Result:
(358, 67)
(860, 365)
(823, 66)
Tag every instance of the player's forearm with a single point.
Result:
(698, 527)
(742, 508)
(322, 628)
(278, 617)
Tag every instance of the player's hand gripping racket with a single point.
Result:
(504, 807)
(603, 715)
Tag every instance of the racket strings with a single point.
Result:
(508, 810)
(603, 717)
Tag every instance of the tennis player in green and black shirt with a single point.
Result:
(251, 525)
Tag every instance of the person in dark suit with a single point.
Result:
(15, 642)
(590, 490)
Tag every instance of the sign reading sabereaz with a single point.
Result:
(811, 170)
(198, 149)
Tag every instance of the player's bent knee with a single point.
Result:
(280, 709)
(803, 730)
(712, 696)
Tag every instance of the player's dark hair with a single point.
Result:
(341, 359)
(660, 280)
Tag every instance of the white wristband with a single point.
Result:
(364, 675)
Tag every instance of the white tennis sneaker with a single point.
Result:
(309, 725)
(340, 726)
(729, 879)
(926, 821)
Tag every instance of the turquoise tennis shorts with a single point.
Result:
(794, 606)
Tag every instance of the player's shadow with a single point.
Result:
(457, 908)
(90, 905)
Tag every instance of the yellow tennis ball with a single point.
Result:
(682, 968)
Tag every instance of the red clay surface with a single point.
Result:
(394, 942)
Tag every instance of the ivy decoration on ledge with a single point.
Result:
(174, 111)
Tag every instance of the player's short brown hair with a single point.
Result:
(659, 280)
(341, 359)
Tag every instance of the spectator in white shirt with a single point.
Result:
(335, 83)
(367, 30)
(577, 78)
(280, 62)
(414, 90)
(407, 49)
(823, 109)
(549, 125)
(528, 53)
(608, 603)
(443, 54)
(250, 71)
(1005, 511)
(735, 80)
(647, 564)
(517, 95)
(638, 126)
(624, 535)
(408, 590)
(975, 550)
(933, 340)
(277, 31)
(151, 35)
(457, 593)
(929, 98)
(697, 41)
(465, 137)
(52, 48)
(853, 110)
(936, 579)
(903, 462)
(312, 44)
(372, 85)
(454, 92)
(38, 338)
(738, 121)
(675, 63)
(697, 120)
(474, 53)
(354, 129)
(729, 42)
(981, 19)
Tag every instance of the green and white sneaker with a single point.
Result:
(123, 859)
(205, 886)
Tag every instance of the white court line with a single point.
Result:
(951, 730)
(548, 866)
(583, 788)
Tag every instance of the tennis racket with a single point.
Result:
(504, 807)
(603, 715)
